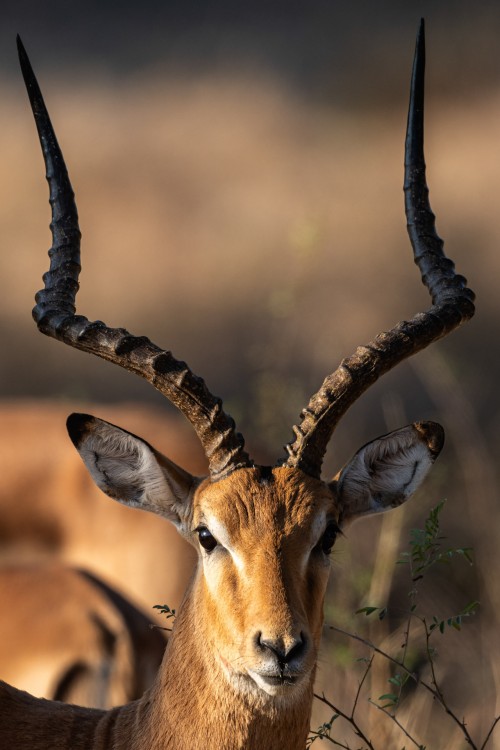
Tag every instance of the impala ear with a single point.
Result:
(129, 470)
(386, 472)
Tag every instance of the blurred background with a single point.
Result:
(238, 172)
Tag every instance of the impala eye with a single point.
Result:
(328, 539)
(206, 539)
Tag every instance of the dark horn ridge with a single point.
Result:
(453, 302)
(55, 315)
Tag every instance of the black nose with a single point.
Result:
(285, 650)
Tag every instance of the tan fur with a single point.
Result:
(211, 651)
(220, 685)
(66, 634)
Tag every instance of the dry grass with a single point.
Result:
(262, 239)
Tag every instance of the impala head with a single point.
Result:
(263, 534)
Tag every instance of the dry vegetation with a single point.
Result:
(262, 238)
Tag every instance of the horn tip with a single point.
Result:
(23, 56)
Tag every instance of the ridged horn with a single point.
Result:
(55, 312)
(452, 302)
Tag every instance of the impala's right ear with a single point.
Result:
(386, 472)
(129, 470)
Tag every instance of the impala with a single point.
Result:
(70, 637)
(240, 664)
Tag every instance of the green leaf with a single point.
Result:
(397, 680)
(366, 611)
(470, 609)
(165, 610)
(388, 697)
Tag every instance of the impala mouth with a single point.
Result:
(273, 683)
(280, 680)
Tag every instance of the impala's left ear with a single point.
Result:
(386, 472)
(131, 471)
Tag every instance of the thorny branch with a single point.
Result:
(396, 721)
(433, 687)
(349, 718)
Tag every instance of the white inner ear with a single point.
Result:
(384, 473)
(124, 467)
(127, 469)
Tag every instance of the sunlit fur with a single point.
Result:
(269, 578)
(239, 668)
(206, 696)
(276, 587)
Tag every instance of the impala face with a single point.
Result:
(264, 538)
(263, 535)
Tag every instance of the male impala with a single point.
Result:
(239, 668)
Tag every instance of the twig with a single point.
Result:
(396, 721)
(488, 736)
(378, 650)
(330, 739)
(152, 626)
(350, 719)
(435, 691)
(361, 683)
(439, 693)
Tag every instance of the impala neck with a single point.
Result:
(193, 698)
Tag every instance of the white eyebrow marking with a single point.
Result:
(220, 532)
